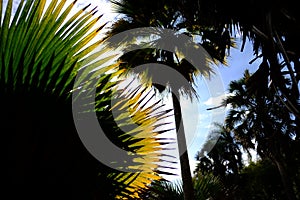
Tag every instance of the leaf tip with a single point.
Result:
(93, 13)
(94, 9)
(101, 27)
(100, 16)
(86, 7)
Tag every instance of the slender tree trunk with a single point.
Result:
(182, 148)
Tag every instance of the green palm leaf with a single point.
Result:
(41, 51)
(206, 186)
(33, 41)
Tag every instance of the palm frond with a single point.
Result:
(42, 51)
(133, 123)
(206, 186)
(40, 45)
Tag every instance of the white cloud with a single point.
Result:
(215, 101)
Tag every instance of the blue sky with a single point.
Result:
(197, 120)
(238, 62)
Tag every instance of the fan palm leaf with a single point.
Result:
(39, 54)
(133, 124)
(206, 186)
(42, 49)
(33, 40)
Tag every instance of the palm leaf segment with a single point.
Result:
(38, 48)
(41, 51)
(138, 113)
(206, 186)
(144, 142)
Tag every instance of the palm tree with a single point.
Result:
(161, 14)
(227, 151)
(224, 160)
(42, 49)
(272, 29)
(259, 121)
(257, 118)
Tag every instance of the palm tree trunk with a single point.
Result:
(188, 189)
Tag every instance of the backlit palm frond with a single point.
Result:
(41, 45)
(165, 190)
(42, 50)
(206, 186)
(143, 140)
(132, 119)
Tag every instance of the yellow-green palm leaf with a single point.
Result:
(132, 122)
(42, 49)
(40, 46)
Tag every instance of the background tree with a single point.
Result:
(261, 118)
(261, 180)
(223, 161)
(257, 121)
